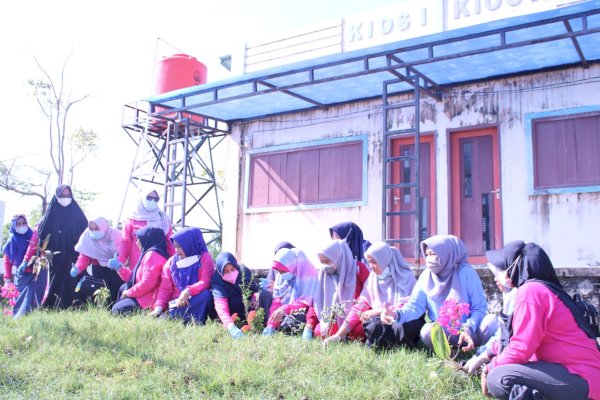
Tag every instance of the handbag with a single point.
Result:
(88, 285)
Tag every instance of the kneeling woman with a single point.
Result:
(142, 283)
(337, 286)
(185, 279)
(97, 244)
(388, 287)
(229, 285)
(292, 291)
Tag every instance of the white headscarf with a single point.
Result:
(156, 218)
(102, 249)
(339, 287)
(396, 288)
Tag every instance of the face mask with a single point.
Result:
(231, 277)
(21, 230)
(386, 272)
(150, 205)
(96, 235)
(287, 276)
(64, 201)
(186, 262)
(433, 263)
(329, 269)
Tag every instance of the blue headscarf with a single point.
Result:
(219, 287)
(192, 243)
(353, 235)
(16, 246)
(151, 239)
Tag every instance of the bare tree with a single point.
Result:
(12, 179)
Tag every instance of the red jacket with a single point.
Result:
(147, 279)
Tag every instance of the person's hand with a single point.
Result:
(268, 331)
(74, 271)
(387, 316)
(22, 267)
(265, 284)
(157, 312)
(184, 298)
(114, 263)
(475, 362)
(465, 337)
(277, 315)
(254, 301)
(332, 339)
(307, 333)
(484, 388)
(235, 332)
(367, 315)
(125, 294)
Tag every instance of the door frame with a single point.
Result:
(430, 138)
(455, 217)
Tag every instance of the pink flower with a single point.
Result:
(450, 315)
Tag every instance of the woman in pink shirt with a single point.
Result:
(551, 353)
(185, 279)
(147, 213)
(142, 283)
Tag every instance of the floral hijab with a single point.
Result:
(301, 287)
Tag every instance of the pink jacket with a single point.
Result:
(147, 279)
(168, 291)
(129, 250)
(544, 330)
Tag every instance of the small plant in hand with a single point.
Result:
(331, 314)
(449, 318)
(8, 298)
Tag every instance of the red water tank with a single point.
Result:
(177, 72)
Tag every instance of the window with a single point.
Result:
(565, 151)
(330, 173)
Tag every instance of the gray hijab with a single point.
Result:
(453, 255)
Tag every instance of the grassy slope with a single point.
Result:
(92, 355)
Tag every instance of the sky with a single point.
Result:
(111, 48)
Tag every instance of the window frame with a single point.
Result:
(569, 113)
(363, 139)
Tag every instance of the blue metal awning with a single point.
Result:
(557, 38)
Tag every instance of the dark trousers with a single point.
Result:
(265, 299)
(535, 380)
(380, 335)
(111, 278)
(197, 310)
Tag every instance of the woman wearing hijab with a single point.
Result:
(146, 213)
(142, 283)
(448, 276)
(337, 286)
(388, 287)
(292, 291)
(353, 235)
(229, 285)
(185, 279)
(265, 297)
(64, 221)
(15, 247)
(552, 352)
(97, 244)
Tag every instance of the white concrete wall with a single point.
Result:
(565, 225)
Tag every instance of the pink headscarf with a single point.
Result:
(397, 287)
(302, 286)
(340, 287)
(103, 248)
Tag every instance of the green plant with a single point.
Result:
(102, 297)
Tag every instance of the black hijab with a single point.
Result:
(528, 262)
(152, 239)
(65, 225)
(353, 235)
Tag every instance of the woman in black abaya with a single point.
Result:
(65, 222)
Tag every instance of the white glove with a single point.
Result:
(473, 365)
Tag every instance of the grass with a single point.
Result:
(92, 355)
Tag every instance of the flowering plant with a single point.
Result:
(8, 298)
(449, 319)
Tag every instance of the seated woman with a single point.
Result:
(448, 276)
(142, 283)
(97, 244)
(337, 285)
(229, 285)
(353, 235)
(552, 353)
(265, 297)
(185, 279)
(292, 291)
(388, 287)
